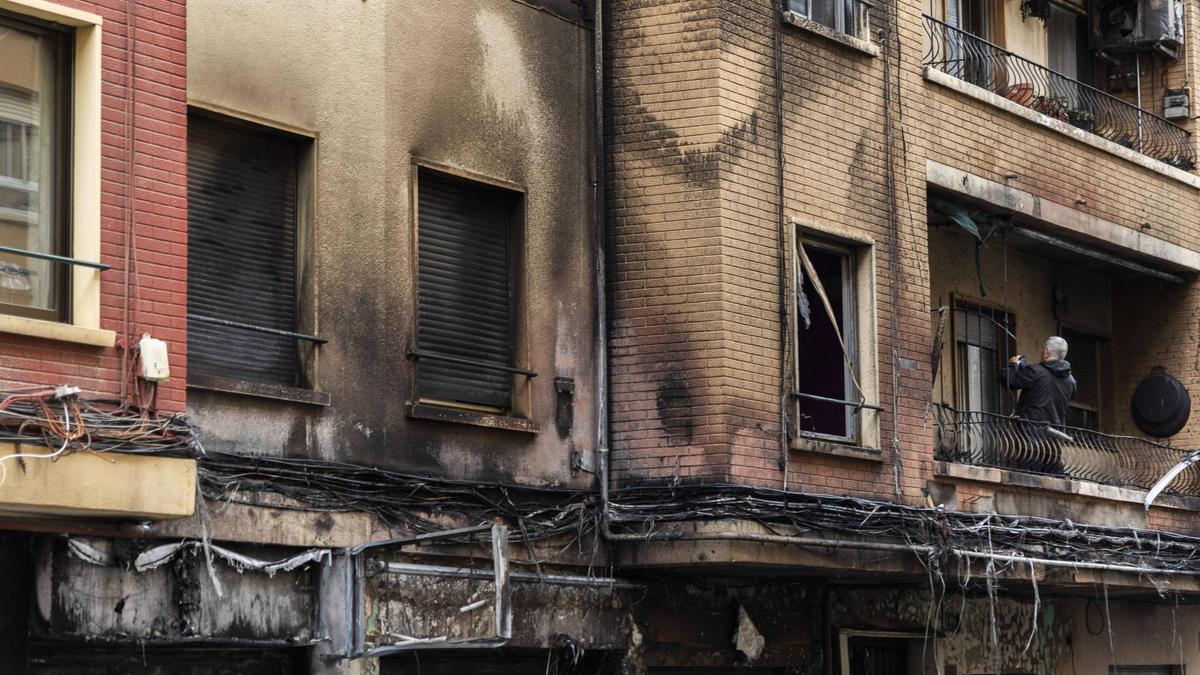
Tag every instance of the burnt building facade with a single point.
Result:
(621, 336)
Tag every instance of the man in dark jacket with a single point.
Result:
(1046, 389)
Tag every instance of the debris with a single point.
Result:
(747, 639)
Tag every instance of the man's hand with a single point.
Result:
(1016, 359)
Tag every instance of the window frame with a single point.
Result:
(960, 384)
(842, 9)
(863, 344)
(64, 76)
(81, 324)
(307, 141)
(1102, 409)
(518, 416)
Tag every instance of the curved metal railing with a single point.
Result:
(983, 64)
(985, 439)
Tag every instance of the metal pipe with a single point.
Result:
(418, 355)
(886, 546)
(601, 226)
(55, 258)
(826, 399)
(524, 577)
(1095, 254)
(257, 329)
(428, 536)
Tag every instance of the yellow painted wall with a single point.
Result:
(111, 485)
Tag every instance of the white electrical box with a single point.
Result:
(155, 364)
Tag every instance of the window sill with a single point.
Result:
(823, 447)
(422, 411)
(274, 392)
(857, 44)
(1073, 486)
(62, 332)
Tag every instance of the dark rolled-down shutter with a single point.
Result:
(241, 250)
(464, 291)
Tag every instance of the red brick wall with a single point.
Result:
(158, 248)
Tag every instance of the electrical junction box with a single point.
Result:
(155, 363)
(1176, 105)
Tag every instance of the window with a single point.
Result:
(35, 77)
(244, 213)
(467, 249)
(983, 343)
(844, 16)
(1085, 353)
(827, 375)
(886, 653)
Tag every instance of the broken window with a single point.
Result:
(35, 67)
(825, 323)
(983, 342)
(243, 192)
(466, 293)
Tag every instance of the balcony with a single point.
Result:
(984, 439)
(978, 62)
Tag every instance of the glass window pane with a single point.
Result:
(824, 12)
(30, 154)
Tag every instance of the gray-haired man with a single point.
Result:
(1046, 390)
(1047, 387)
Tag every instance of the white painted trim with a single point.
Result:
(1062, 217)
(50, 11)
(85, 167)
(980, 94)
(85, 177)
(53, 330)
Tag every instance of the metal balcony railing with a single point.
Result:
(983, 64)
(985, 439)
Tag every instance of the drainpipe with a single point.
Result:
(598, 208)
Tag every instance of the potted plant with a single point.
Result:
(1084, 119)
(1052, 106)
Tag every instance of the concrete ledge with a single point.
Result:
(1082, 488)
(804, 23)
(422, 411)
(1066, 219)
(822, 447)
(62, 332)
(275, 392)
(980, 94)
(108, 485)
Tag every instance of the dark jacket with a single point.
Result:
(1046, 389)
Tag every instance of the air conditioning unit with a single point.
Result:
(1136, 25)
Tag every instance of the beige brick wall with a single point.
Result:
(696, 257)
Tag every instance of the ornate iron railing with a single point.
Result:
(983, 64)
(984, 439)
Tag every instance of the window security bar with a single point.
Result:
(418, 355)
(55, 258)
(826, 399)
(258, 329)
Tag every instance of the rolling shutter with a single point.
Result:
(464, 292)
(241, 250)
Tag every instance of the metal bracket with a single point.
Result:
(500, 575)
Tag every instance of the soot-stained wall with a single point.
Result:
(498, 89)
